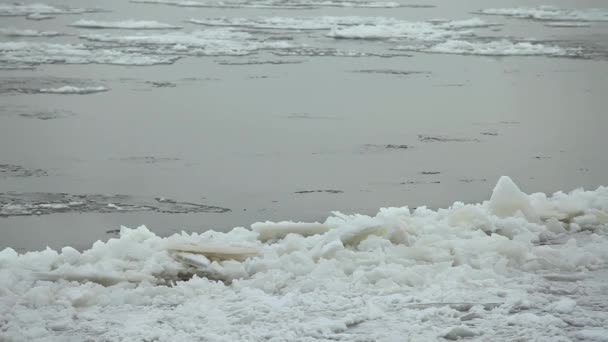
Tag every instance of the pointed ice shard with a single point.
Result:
(507, 200)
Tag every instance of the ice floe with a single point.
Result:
(501, 47)
(30, 53)
(125, 24)
(73, 90)
(273, 4)
(37, 11)
(13, 32)
(550, 13)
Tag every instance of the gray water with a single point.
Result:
(297, 138)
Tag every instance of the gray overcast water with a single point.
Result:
(275, 137)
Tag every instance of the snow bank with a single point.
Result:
(550, 13)
(493, 270)
(126, 24)
(73, 90)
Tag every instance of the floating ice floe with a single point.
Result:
(292, 23)
(126, 24)
(13, 32)
(73, 90)
(518, 265)
(42, 203)
(36, 10)
(420, 31)
(30, 53)
(567, 24)
(550, 13)
(211, 42)
(273, 4)
(496, 48)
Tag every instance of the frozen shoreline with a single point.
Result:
(514, 266)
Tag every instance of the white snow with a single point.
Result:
(550, 13)
(74, 90)
(15, 53)
(126, 24)
(13, 32)
(496, 48)
(471, 270)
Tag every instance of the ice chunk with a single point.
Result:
(564, 305)
(278, 230)
(507, 200)
(458, 332)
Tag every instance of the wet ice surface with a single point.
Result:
(207, 115)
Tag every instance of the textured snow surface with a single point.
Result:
(516, 267)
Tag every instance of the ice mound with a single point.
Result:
(496, 48)
(550, 13)
(273, 4)
(126, 24)
(494, 270)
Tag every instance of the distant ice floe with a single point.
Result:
(126, 24)
(213, 42)
(13, 32)
(567, 24)
(549, 13)
(293, 23)
(515, 266)
(496, 48)
(73, 90)
(37, 10)
(28, 53)
(42, 203)
(275, 4)
(420, 31)
(38, 16)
